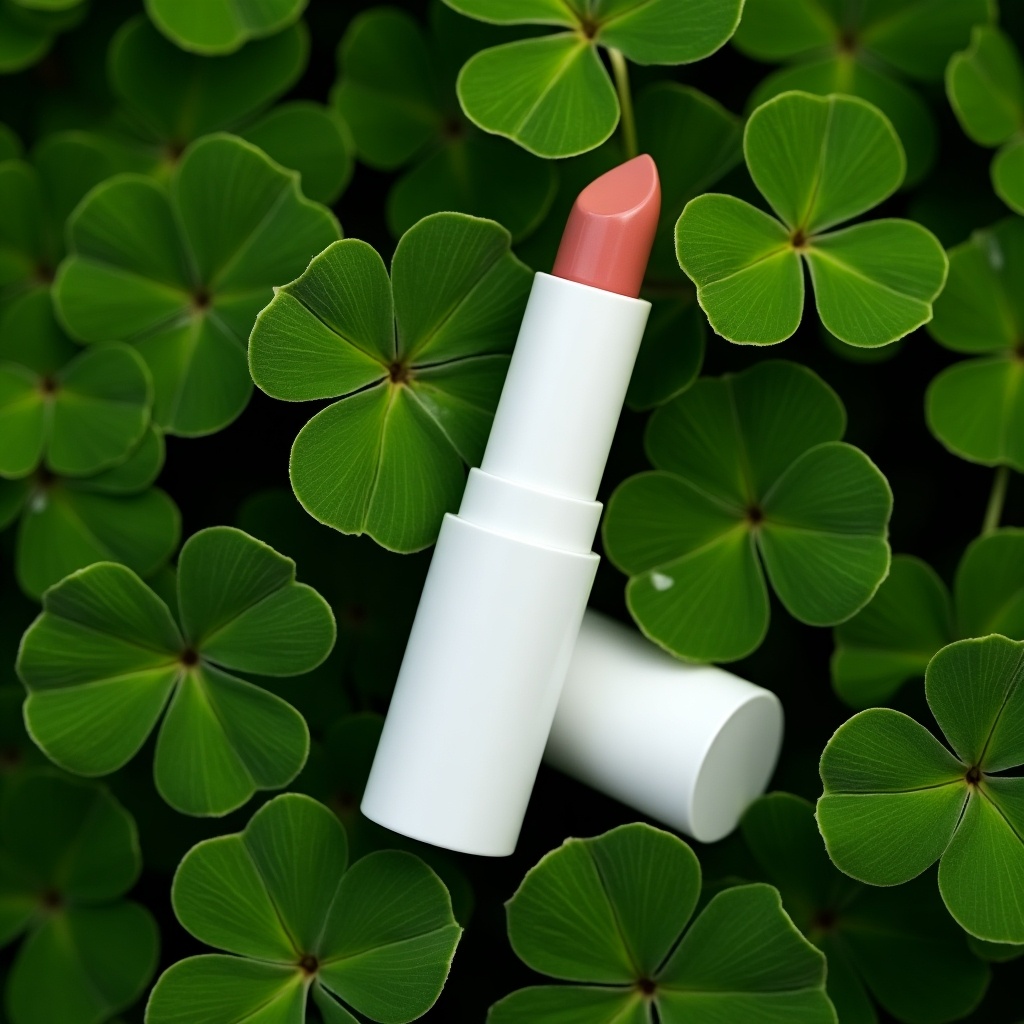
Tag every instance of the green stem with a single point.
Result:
(621, 72)
(994, 512)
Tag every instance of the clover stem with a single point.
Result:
(994, 511)
(621, 72)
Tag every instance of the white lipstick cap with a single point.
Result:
(688, 745)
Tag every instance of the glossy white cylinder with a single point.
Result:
(689, 745)
(565, 387)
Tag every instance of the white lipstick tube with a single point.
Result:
(508, 583)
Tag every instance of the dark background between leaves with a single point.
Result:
(939, 500)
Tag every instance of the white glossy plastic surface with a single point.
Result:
(565, 387)
(689, 745)
(508, 583)
(472, 708)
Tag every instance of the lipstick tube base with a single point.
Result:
(478, 688)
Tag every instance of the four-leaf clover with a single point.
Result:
(912, 616)
(552, 94)
(846, 46)
(106, 658)
(68, 854)
(818, 161)
(378, 936)
(900, 945)
(896, 800)
(749, 471)
(418, 362)
(609, 914)
(181, 271)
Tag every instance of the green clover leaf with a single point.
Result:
(975, 408)
(170, 98)
(749, 472)
(899, 945)
(985, 86)
(896, 800)
(396, 89)
(373, 592)
(818, 162)
(418, 362)
(610, 912)
(106, 657)
(67, 523)
(181, 272)
(378, 936)
(76, 413)
(336, 775)
(221, 26)
(912, 615)
(28, 29)
(69, 852)
(551, 94)
(840, 46)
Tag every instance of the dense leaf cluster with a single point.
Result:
(262, 264)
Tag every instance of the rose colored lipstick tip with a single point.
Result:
(608, 237)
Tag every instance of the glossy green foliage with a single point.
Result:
(551, 94)
(985, 85)
(913, 615)
(976, 407)
(396, 90)
(818, 162)
(862, 49)
(221, 26)
(169, 98)
(610, 914)
(181, 271)
(418, 361)
(377, 937)
(73, 412)
(68, 522)
(750, 479)
(898, 948)
(107, 657)
(896, 800)
(69, 852)
(28, 29)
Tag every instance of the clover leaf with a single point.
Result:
(818, 162)
(181, 271)
(552, 94)
(69, 522)
(912, 615)
(750, 478)
(76, 413)
(418, 362)
(985, 86)
(221, 26)
(106, 657)
(975, 408)
(899, 945)
(860, 49)
(170, 98)
(68, 854)
(28, 29)
(610, 912)
(896, 800)
(396, 90)
(378, 936)
(373, 593)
